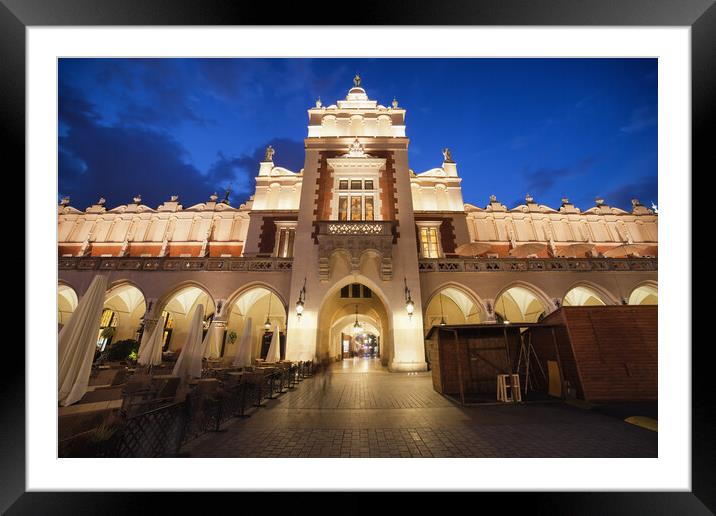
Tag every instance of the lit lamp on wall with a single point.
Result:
(301, 300)
(409, 304)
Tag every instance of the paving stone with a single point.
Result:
(358, 409)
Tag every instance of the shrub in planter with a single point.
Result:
(122, 350)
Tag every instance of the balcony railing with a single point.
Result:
(355, 227)
(175, 264)
(536, 264)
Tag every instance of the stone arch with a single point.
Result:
(255, 302)
(513, 303)
(588, 287)
(331, 304)
(181, 309)
(67, 301)
(128, 305)
(453, 291)
(645, 293)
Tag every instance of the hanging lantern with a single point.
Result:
(409, 304)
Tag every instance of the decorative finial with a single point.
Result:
(447, 157)
(213, 197)
(225, 200)
(529, 199)
(137, 199)
(395, 103)
(356, 80)
(101, 201)
(174, 198)
(356, 149)
(565, 201)
(65, 201)
(635, 202)
(268, 156)
(493, 198)
(318, 102)
(599, 201)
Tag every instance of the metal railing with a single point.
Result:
(175, 264)
(161, 431)
(536, 264)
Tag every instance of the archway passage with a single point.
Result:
(264, 311)
(519, 304)
(452, 305)
(66, 303)
(582, 296)
(644, 295)
(179, 308)
(122, 316)
(353, 323)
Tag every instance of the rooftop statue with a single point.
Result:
(395, 103)
(356, 80)
(447, 157)
(268, 156)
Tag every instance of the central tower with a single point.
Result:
(356, 226)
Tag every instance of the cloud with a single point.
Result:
(120, 161)
(542, 180)
(640, 119)
(645, 189)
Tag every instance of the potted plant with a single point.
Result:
(231, 336)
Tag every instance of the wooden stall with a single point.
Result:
(603, 353)
(466, 359)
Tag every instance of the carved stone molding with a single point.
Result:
(354, 238)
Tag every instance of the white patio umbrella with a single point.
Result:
(189, 361)
(77, 343)
(274, 351)
(150, 351)
(210, 346)
(243, 356)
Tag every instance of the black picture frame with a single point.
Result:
(700, 15)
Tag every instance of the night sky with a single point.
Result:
(579, 128)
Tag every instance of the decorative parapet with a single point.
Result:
(355, 237)
(177, 264)
(535, 265)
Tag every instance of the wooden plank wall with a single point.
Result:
(608, 353)
(616, 349)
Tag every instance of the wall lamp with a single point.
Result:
(301, 300)
(409, 304)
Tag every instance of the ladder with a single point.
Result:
(508, 388)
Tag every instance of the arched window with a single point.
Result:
(107, 328)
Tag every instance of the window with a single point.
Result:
(286, 234)
(356, 199)
(356, 290)
(356, 207)
(105, 335)
(429, 241)
(343, 208)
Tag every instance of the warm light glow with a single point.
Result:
(267, 324)
(299, 308)
(410, 307)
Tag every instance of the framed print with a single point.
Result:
(445, 278)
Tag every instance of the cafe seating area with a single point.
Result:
(138, 411)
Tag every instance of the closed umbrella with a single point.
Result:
(243, 356)
(77, 343)
(210, 346)
(150, 351)
(274, 351)
(189, 361)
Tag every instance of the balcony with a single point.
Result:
(354, 237)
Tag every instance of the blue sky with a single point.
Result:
(579, 128)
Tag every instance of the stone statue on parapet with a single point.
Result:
(356, 80)
(447, 157)
(268, 156)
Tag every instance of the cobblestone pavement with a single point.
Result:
(358, 409)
